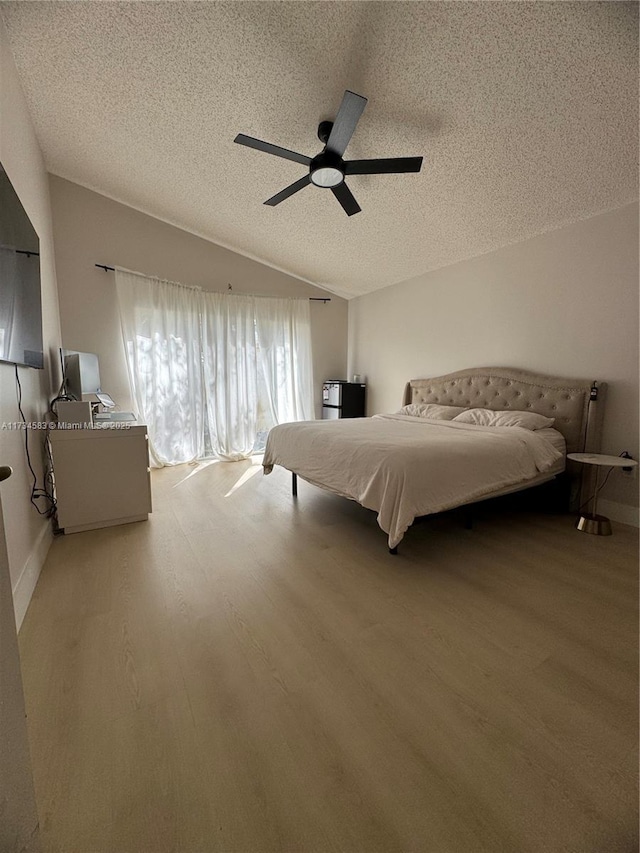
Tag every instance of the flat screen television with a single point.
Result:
(20, 298)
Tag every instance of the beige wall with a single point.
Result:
(565, 303)
(90, 228)
(28, 535)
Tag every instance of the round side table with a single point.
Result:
(591, 522)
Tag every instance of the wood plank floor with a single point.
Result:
(245, 672)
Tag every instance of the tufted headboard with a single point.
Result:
(571, 402)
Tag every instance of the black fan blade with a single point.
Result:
(348, 115)
(259, 145)
(346, 199)
(290, 190)
(391, 166)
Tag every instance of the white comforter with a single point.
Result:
(404, 467)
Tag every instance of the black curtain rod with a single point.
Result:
(27, 252)
(311, 298)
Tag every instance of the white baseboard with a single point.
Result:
(30, 573)
(624, 513)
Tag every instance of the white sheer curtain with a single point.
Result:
(213, 367)
(230, 374)
(284, 349)
(161, 330)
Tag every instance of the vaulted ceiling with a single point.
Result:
(525, 113)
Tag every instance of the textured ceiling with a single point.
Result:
(525, 113)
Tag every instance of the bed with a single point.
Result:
(423, 459)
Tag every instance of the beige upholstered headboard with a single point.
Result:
(578, 416)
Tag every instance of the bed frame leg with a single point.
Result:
(294, 484)
(393, 550)
(468, 518)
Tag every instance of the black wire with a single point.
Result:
(36, 492)
(52, 405)
(50, 485)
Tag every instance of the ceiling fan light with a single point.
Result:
(327, 176)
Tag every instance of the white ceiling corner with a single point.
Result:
(526, 114)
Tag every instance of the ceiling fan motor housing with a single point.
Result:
(327, 169)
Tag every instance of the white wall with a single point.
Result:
(564, 303)
(28, 535)
(19, 829)
(90, 228)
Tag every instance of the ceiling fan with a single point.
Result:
(328, 169)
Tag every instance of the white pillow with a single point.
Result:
(487, 417)
(431, 410)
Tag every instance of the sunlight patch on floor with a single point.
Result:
(256, 466)
(196, 468)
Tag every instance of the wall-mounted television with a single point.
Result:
(20, 298)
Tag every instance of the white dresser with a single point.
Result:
(101, 476)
